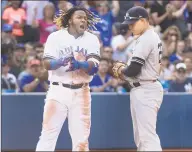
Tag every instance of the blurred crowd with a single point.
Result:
(27, 24)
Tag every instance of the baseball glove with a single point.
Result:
(114, 70)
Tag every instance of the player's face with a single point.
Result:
(79, 21)
(138, 27)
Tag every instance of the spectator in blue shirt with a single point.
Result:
(177, 56)
(102, 82)
(181, 83)
(29, 80)
(107, 16)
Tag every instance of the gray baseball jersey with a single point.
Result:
(147, 51)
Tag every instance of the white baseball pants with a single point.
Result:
(60, 103)
(145, 103)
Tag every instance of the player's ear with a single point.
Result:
(146, 20)
(142, 19)
(70, 21)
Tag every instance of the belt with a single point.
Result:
(71, 86)
(137, 84)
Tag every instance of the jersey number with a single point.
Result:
(160, 51)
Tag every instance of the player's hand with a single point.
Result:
(116, 69)
(64, 61)
(74, 65)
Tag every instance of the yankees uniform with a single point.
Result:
(146, 93)
(70, 90)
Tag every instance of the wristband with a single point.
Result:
(83, 65)
(55, 64)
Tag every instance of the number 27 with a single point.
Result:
(160, 47)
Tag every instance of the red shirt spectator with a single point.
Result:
(16, 17)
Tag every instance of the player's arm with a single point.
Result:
(140, 54)
(133, 69)
(51, 59)
(53, 64)
(90, 66)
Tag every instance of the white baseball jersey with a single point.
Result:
(61, 43)
(147, 51)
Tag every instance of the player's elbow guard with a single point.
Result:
(94, 69)
(90, 66)
(133, 70)
(93, 65)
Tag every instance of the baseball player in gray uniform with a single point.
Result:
(142, 72)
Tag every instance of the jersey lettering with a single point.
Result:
(81, 50)
(65, 51)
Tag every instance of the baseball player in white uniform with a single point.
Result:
(71, 56)
(142, 72)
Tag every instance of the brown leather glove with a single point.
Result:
(115, 69)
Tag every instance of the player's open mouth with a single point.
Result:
(82, 27)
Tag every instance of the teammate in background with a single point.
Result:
(142, 72)
(71, 56)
